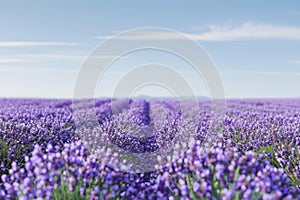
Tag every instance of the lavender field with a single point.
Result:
(44, 152)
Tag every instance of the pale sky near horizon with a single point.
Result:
(255, 45)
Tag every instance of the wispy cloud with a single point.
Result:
(144, 35)
(35, 44)
(296, 62)
(245, 31)
(22, 58)
(11, 60)
(261, 72)
(37, 69)
(248, 31)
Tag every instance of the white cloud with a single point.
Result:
(261, 72)
(246, 31)
(296, 62)
(35, 44)
(36, 69)
(143, 35)
(11, 60)
(21, 58)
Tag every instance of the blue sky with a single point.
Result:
(255, 45)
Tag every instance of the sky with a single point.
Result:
(255, 45)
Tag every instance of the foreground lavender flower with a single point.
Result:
(221, 173)
(70, 171)
(224, 173)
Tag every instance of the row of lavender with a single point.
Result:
(44, 155)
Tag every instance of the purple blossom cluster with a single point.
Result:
(25, 123)
(223, 173)
(46, 174)
(45, 154)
